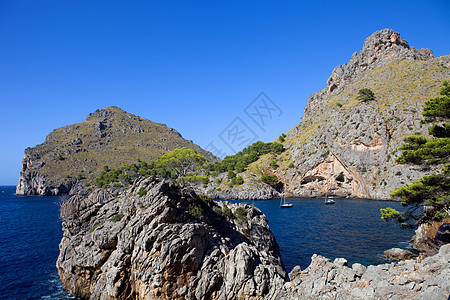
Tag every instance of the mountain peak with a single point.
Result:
(381, 48)
(106, 113)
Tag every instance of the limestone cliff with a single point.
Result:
(159, 241)
(74, 155)
(347, 147)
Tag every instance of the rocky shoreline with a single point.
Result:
(158, 240)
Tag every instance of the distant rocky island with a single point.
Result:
(343, 146)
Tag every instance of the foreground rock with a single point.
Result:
(398, 254)
(166, 244)
(430, 236)
(411, 279)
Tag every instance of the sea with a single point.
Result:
(30, 231)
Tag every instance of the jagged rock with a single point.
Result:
(398, 254)
(442, 235)
(408, 279)
(167, 244)
(427, 240)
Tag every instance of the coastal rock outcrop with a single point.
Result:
(160, 241)
(409, 279)
(398, 254)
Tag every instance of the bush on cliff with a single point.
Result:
(271, 180)
(365, 95)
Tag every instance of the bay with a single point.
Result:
(351, 228)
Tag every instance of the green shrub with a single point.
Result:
(205, 198)
(142, 192)
(271, 180)
(94, 227)
(196, 179)
(241, 214)
(365, 95)
(237, 180)
(195, 210)
(226, 211)
(273, 164)
(117, 217)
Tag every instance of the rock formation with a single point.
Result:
(72, 156)
(398, 254)
(159, 241)
(430, 236)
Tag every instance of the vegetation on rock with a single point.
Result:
(365, 95)
(240, 161)
(271, 180)
(181, 161)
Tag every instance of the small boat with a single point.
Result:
(329, 200)
(283, 203)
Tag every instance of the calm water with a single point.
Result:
(351, 228)
(30, 231)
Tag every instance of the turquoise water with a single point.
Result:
(30, 231)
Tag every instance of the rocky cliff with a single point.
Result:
(159, 241)
(344, 146)
(73, 155)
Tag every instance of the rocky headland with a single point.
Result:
(72, 156)
(158, 240)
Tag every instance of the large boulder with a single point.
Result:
(158, 240)
(399, 254)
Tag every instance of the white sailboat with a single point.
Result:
(283, 203)
(329, 200)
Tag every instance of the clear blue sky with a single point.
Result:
(193, 65)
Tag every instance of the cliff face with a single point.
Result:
(75, 154)
(347, 147)
(166, 244)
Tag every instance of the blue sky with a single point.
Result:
(193, 65)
